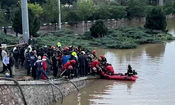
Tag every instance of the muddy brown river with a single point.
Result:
(155, 64)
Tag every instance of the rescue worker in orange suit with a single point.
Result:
(68, 67)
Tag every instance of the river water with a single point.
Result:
(155, 64)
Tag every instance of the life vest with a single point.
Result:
(94, 63)
(110, 69)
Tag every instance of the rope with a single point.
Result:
(58, 89)
(71, 83)
(18, 85)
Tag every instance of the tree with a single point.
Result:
(2, 18)
(8, 3)
(85, 9)
(36, 9)
(168, 9)
(98, 29)
(34, 22)
(70, 15)
(102, 12)
(51, 11)
(156, 20)
(117, 12)
(136, 8)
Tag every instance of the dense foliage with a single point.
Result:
(123, 37)
(7, 39)
(156, 20)
(136, 8)
(79, 10)
(98, 29)
(34, 22)
(2, 19)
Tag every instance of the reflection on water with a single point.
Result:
(155, 65)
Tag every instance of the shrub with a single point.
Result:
(7, 39)
(98, 29)
(156, 20)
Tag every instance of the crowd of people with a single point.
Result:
(40, 62)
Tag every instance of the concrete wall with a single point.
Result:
(38, 92)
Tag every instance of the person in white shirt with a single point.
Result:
(6, 62)
(3, 54)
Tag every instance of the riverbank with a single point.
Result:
(120, 38)
(39, 92)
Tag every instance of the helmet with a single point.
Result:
(72, 61)
(94, 51)
(102, 56)
(96, 62)
(66, 48)
(59, 44)
(70, 67)
(52, 47)
(74, 54)
(83, 52)
(44, 58)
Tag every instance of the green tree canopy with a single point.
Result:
(117, 12)
(34, 22)
(136, 8)
(36, 9)
(156, 20)
(2, 18)
(50, 11)
(85, 9)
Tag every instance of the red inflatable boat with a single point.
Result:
(118, 77)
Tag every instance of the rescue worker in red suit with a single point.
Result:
(44, 66)
(68, 67)
(95, 66)
(109, 69)
(102, 60)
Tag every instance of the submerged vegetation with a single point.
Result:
(120, 38)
